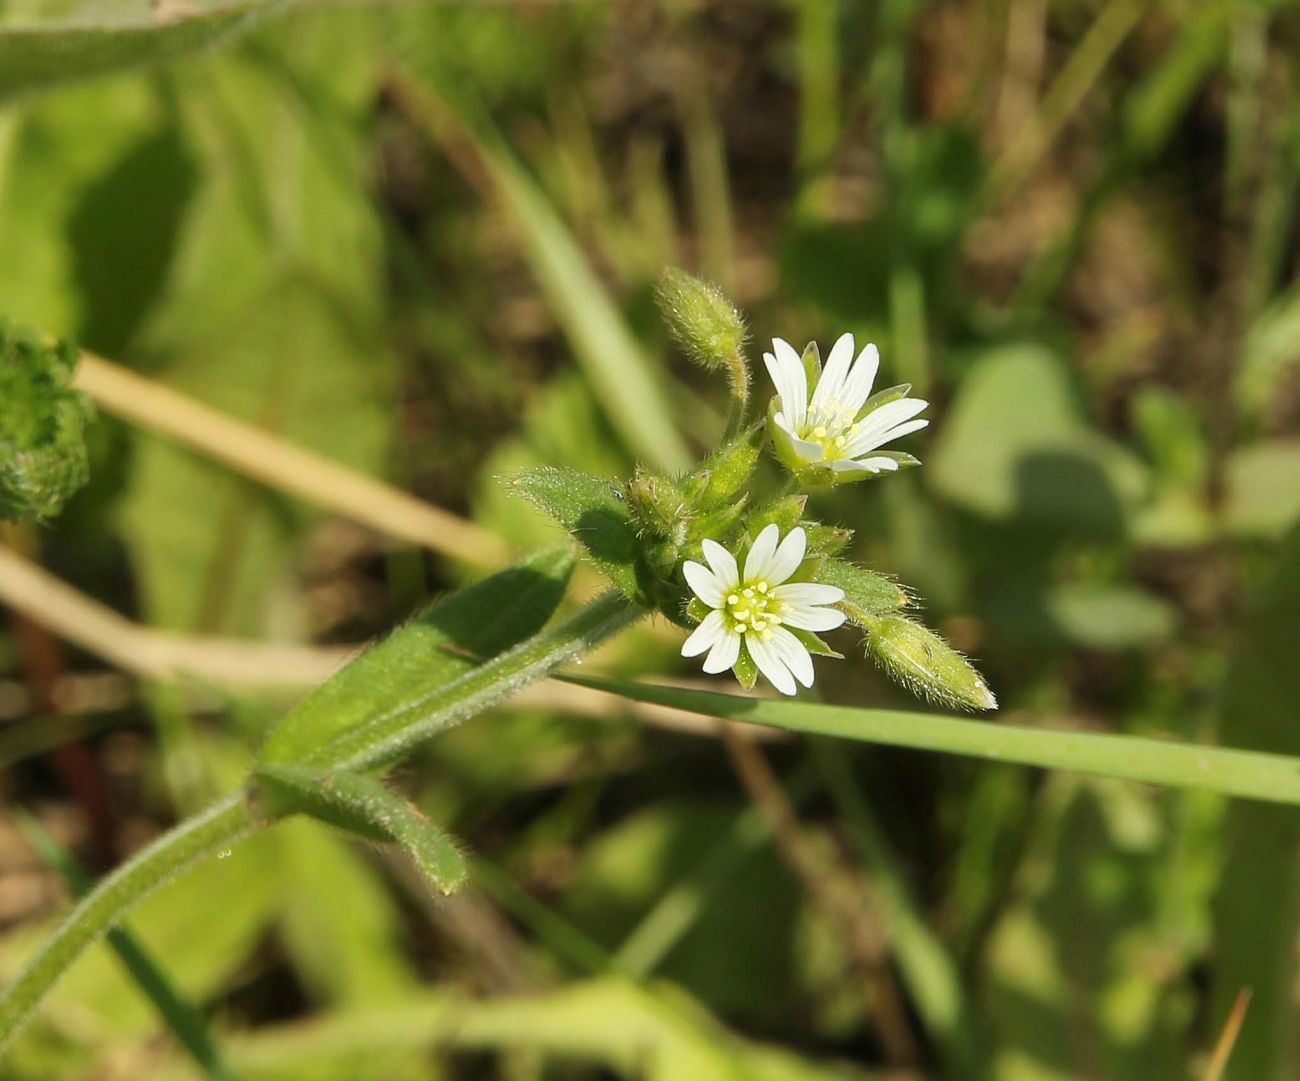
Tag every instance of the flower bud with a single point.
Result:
(42, 426)
(702, 321)
(924, 663)
(657, 502)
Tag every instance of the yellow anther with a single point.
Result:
(759, 624)
(749, 593)
(762, 587)
(742, 615)
(820, 431)
(733, 599)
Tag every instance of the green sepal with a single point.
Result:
(867, 595)
(883, 397)
(925, 664)
(784, 513)
(362, 805)
(745, 670)
(596, 514)
(656, 502)
(827, 540)
(696, 610)
(815, 645)
(812, 365)
(810, 570)
(43, 456)
(717, 524)
(725, 472)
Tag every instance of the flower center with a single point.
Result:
(830, 427)
(752, 609)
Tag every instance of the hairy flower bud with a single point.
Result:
(42, 425)
(706, 325)
(927, 665)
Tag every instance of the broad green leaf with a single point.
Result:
(340, 924)
(867, 595)
(1263, 483)
(362, 805)
(1110, 616)
(1016, 446)
(99, 37)
(1272, 778)
(1258, 904)
(438, 647)
(594, 511)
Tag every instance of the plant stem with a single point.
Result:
(1272, 778)
(220, 826)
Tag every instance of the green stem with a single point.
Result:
(1273, 778)
(101, 909)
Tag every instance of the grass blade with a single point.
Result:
(1272, 778)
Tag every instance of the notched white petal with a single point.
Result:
(794, 654)
(805, 617)
(770, 664)
(704, 584)
(759, 560)
(705, 636)
(789, 554)
(803, 593)
(723, 654)
(723, 564)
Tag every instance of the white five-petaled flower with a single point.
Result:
(832, 427)
(753, 611)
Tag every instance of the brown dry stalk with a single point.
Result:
(833, 889)
(281, 464)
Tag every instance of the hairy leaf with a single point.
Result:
(362, 805)
(479, 622)
(595, 513)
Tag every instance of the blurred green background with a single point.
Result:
(421, 238)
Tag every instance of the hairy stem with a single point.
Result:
(104, 906)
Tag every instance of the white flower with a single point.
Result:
(752, 612)
(834, 428)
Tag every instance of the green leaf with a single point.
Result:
(1111, 616)
(594, 512)
(362, 805)
(1016, 446)
(1258, 903)
(1272, 778)
(1263, 494)
(481, 621)
(867, 595)
(43, 456)
(106, 37)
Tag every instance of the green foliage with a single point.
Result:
(362, 805)
(597, 516)
(108, 37)
(421, 659)
(43, 457)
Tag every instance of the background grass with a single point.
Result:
(421, 239)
